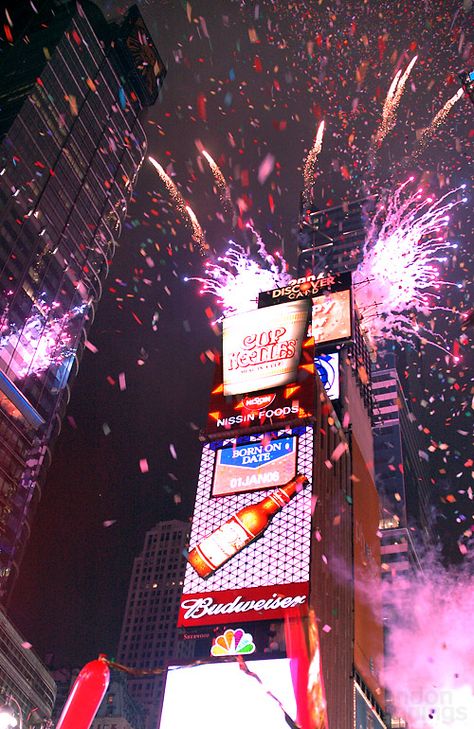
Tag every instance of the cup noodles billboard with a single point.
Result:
(256, 581)
(261, 349)
(258, 410)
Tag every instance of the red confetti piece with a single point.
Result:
(201, 107)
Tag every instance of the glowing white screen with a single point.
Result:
(220, 695)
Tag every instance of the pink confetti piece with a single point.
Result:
(144, 465)
(266, 168)
(109, 522)
(326, 628)
(122, 381)
(173, 451)
(91, 347)
(338, 451)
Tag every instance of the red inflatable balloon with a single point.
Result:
(86, 694)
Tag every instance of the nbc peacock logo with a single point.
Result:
(233, 643)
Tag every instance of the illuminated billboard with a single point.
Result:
(258, 410)
(261, 349)
(327, 366)
(254, 465)
(331, 319)
(305, 287)
(232, 576)
(221, 694)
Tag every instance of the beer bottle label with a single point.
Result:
(226, 541)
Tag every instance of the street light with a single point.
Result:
(8, 719)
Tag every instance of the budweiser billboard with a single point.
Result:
(261, 349)
(247, 604)
(254, 410)
(238, 567)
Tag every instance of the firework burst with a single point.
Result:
(399, 276)
(238, 277)
(198, 235)
(438, 119)
(221, 184)
(392, 102)
(310, 161)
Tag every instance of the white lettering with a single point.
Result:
(195, 608)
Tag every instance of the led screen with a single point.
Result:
(254, 465)
(332, 317)
(217, 695)
(327, 366)
(258, 581)
(261, 349)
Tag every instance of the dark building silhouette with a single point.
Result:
(72, 91)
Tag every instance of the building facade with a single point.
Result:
(401, 476)
(72, 91)
(319, 556)
(25, 683)
(149, 637)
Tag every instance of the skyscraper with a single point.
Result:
(401, 479)
(72, 91)
(149, 637)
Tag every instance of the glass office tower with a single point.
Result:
(72, 91)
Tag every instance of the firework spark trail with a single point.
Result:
(392, 102)
(175, 194)
(399, 274)
(237, 279)
(184, 210)
(198, 235)
(438, 119)
(221, 183)
(310, 161)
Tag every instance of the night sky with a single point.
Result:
(246, 80)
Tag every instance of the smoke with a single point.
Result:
(429, 661)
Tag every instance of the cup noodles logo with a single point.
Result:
(258, 402)
(261, 349)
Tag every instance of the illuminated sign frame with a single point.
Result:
(329, 336)
(261, 349)
(263, 410)
(267, 464)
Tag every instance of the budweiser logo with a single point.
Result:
(199, 607)
(258, 402)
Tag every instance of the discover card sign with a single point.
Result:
(261, 349)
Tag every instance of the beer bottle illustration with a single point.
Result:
(241, 529)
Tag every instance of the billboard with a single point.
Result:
(252, 465)
(232, 576)
(221, 694)
(331, 319)
(305, 287)
(261, 349)
(327, 366)
(257, 410)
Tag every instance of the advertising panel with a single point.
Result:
(331, 317)
(254, 465)
(238, 566)
(305, 287)
(220, 695)
(327, 366)
(251, 412)
(261, 349)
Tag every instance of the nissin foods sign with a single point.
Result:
(254, 466)
(261, 349)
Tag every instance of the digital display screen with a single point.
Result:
(331, 317)
(327, 366)
(262, 349)
(212, 696)
(254, 465)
